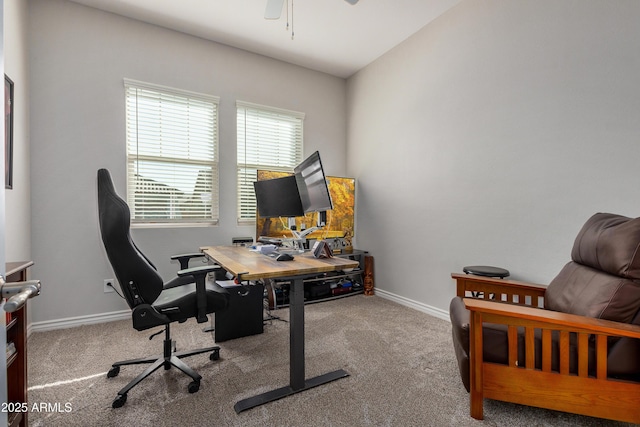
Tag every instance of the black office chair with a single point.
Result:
(154, 303)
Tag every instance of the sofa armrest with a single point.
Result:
(528, 318)
(489, 288)
(585, 390)
(511, 314)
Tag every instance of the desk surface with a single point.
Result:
(238, 259)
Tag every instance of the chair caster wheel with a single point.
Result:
(194, 386)
(215, 355)
(113, 372)
(119, 401)
(167, 366)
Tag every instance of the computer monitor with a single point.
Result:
(312, 185)
(278, 197)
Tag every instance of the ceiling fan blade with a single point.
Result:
(351, 1)
(274, 9)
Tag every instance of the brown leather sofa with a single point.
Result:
(572, 346)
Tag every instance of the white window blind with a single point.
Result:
(268, 139)
(172, 154)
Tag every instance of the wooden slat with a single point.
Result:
(512, 334)
(547, 349)
(564, 353)
(475, 358)
(601, 357)
(539, 302)
(529, 346)
(583, 354)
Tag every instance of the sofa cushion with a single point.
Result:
(584, 291)
(610, 243)
(602, 280)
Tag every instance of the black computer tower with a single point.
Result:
(244, 316)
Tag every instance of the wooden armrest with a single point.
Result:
(563, 367)
(491, 288)
(471, 279)
(517, 315)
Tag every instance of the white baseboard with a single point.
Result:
(70, 322)
(433, 311)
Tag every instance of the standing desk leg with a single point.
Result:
(296, 335)
(297, 382)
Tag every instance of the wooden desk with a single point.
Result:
(247, 265)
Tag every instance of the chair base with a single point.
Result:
(167, 360)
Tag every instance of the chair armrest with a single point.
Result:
(198, 271)
(499, 289)
(184, 259)
(496, 312)
(199, 274)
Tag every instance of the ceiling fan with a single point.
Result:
(274, 8)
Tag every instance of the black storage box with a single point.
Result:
(317, 290)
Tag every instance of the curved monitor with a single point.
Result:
(278, 197)
(312, 185)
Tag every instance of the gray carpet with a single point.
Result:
(401, 361)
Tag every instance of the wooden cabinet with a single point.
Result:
(17, 338)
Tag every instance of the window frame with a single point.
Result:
(244, 188)
(134, 155)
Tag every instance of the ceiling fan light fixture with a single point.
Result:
(273, 9)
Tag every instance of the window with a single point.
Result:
(268, 139)
(172, 155)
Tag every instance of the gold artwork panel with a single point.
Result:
(340, 220)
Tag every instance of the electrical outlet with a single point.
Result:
(108, 285)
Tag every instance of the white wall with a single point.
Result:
(79, 57)
(491, 135)
(18, 199)
(3, 330)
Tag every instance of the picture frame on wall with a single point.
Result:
(8, 132)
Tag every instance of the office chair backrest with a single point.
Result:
(138, 278)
